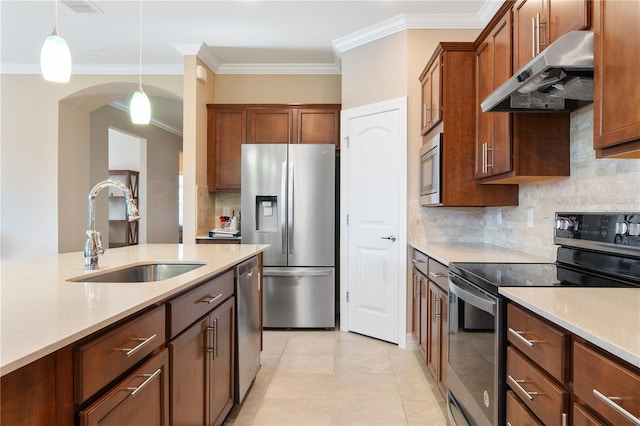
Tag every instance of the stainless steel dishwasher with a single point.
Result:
(248, 326)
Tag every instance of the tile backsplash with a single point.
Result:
(594, 185)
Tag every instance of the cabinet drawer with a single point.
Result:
(596, 377)
(103, 359)
(544, 344)
(140, 399)
(545, 399)
(420, 261)
(186, 309)
(582, 417)
(518, 414)
(439, 274)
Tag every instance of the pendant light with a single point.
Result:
(55, 58)
(140, 107)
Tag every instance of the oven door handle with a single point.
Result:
(451, 402)
(473, 296)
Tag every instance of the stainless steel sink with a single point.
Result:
(140, 273)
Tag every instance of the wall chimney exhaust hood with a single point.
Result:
(559, 79)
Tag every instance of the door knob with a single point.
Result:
(390, 237)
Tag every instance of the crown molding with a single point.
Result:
(488, 10)
(286, 68)
(159, 124)
(406, 22)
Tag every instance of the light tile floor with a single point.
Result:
(337, 378)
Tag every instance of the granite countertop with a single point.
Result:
(42, 312)
(446, 253)
(607, 317)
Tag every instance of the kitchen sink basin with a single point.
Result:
(141, 273)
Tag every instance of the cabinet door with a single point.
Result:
(484, 86)
(226, 132)
(270, 125)
(567, 15)
(501, 150)
(529, 31)
(416, 307)
(616, 89)
(433, 345)
(424, 317)
(318, 126)
(187, 355)
(220, 362)
(436, 92)
(140, 399)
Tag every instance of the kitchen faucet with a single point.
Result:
(93, 247)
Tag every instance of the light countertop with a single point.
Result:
(42, 312)
(607, 317)
(446, 253)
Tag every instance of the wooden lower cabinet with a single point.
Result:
(582, 417)
(518, 414)
(140, 399)
(202, 369)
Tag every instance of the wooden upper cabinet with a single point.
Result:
(270, 125)
(226, 132)
(537, 23)
(318, 126)
(529, 31)
(616, 100)
(513, 148)
(431, 95)
(493, 63)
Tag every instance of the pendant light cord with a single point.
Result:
(55, 28)
(140, 44)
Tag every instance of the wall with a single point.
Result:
(261, 89)
(31, 126)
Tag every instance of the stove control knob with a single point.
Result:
(622, 228)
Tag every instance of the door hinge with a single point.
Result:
(347, 296)
(347, 219)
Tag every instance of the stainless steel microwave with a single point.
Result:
(431, 172)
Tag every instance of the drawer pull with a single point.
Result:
(516, 385)
(437, 275)
(610, 401)
(143, 342)
(519, 336)
(149, 379)
(417, 261)
(210, 299)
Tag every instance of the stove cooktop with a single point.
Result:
(490, 276)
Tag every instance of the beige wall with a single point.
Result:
(30, 131)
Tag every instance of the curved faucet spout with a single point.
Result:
(93, 247)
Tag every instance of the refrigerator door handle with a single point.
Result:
(296, 273)
(290, 206)
(283, 209)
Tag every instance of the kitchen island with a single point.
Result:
(42, 312)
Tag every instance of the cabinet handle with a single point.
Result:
(516, 385)
(424, 115)
(143, 342)
(417, 261)
(519, 336)
(610, 401)
(209, 348)
(565, 419)
(437, 302)
(537, 33)
(210, 299)
(259, 280)
(216, 338)
(437, 275)
(484, 158)
(533, 37)
(149, 379)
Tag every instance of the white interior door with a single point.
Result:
(374, 229)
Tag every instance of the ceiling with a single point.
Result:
(241, 36)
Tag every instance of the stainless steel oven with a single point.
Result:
(431, 172)
(474, 396)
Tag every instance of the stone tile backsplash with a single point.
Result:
(594, 185)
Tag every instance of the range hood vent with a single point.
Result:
(559, 79)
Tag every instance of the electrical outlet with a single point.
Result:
(530, 217)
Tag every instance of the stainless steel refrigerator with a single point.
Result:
(288, 201)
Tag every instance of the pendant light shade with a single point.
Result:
(140, 107)
(55, 58)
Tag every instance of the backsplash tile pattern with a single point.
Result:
(594, 185)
